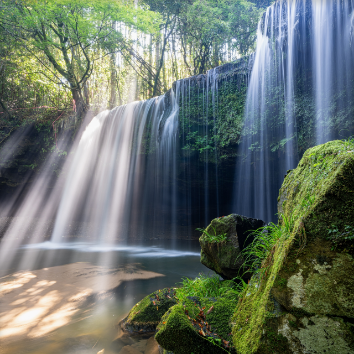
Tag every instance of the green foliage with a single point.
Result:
(64, 36)
(213, 131)
(340, 237)
(207, 286)
(213, 238)
(265, 238)
(243, 21)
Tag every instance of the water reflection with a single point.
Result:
(68, 302)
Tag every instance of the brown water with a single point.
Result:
(69, 299)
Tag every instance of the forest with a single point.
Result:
(107, 53)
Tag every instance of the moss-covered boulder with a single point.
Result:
(198, 326)
(317, 334)
(146, 314)
(318, 281)
(309, 268)
(223, 241)
(302, 334)
(318, 273)
(321, 192)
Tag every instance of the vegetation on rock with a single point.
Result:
(206, 286)
(198, 325)
(146, 314)
(223, 254)
(314, 196)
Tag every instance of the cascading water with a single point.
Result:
(333, 55)
(122, 181)
(212, 85)
(209, 106)
(299, 95)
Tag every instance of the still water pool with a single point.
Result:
(69, 298)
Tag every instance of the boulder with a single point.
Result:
(304, 334)
(198, 326)
(309, 271)
(146, 314)
(318, 274)
(223, 241)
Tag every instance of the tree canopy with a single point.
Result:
(68, 33)
(108, 52)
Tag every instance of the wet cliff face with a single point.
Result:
(23, 151)
(300, 94)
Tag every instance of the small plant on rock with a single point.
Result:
(213, 238)
(265, 238)
(206, 286)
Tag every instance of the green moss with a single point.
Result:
(147, 313)
(318, 193)
(251, 311)
(321, 285)
(189, 328)
(273, 342)
(221, 226)
(222, 257)
(321, 191)
(218, 128)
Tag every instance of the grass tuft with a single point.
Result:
(213, 238)
(208, 286)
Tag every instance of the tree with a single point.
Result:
(207, 30)
(170, 11)
(69, 32)
(243, 22)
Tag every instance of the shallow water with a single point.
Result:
(69, 298)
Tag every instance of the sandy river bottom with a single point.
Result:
(57, 300)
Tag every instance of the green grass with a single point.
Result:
(264, 257)
(213, 238)
(265, 238)
(206, 286)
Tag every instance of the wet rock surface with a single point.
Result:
(315, 285)
(197, 326)
(223, 254)
(146, 315)
(318, 274)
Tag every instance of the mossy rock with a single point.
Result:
(317, 334)
(318, 273)
(320, 191)
(146, 314)
(303, 269)
(224, 257)
(272, 341)
(318, 281)
(185, 329)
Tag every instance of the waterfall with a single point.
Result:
(300, 94)
(333, 55)
(199, 116)
(122, 182)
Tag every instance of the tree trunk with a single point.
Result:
(150, 74)
(79, 105)
(2, 104)
(113, 94)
